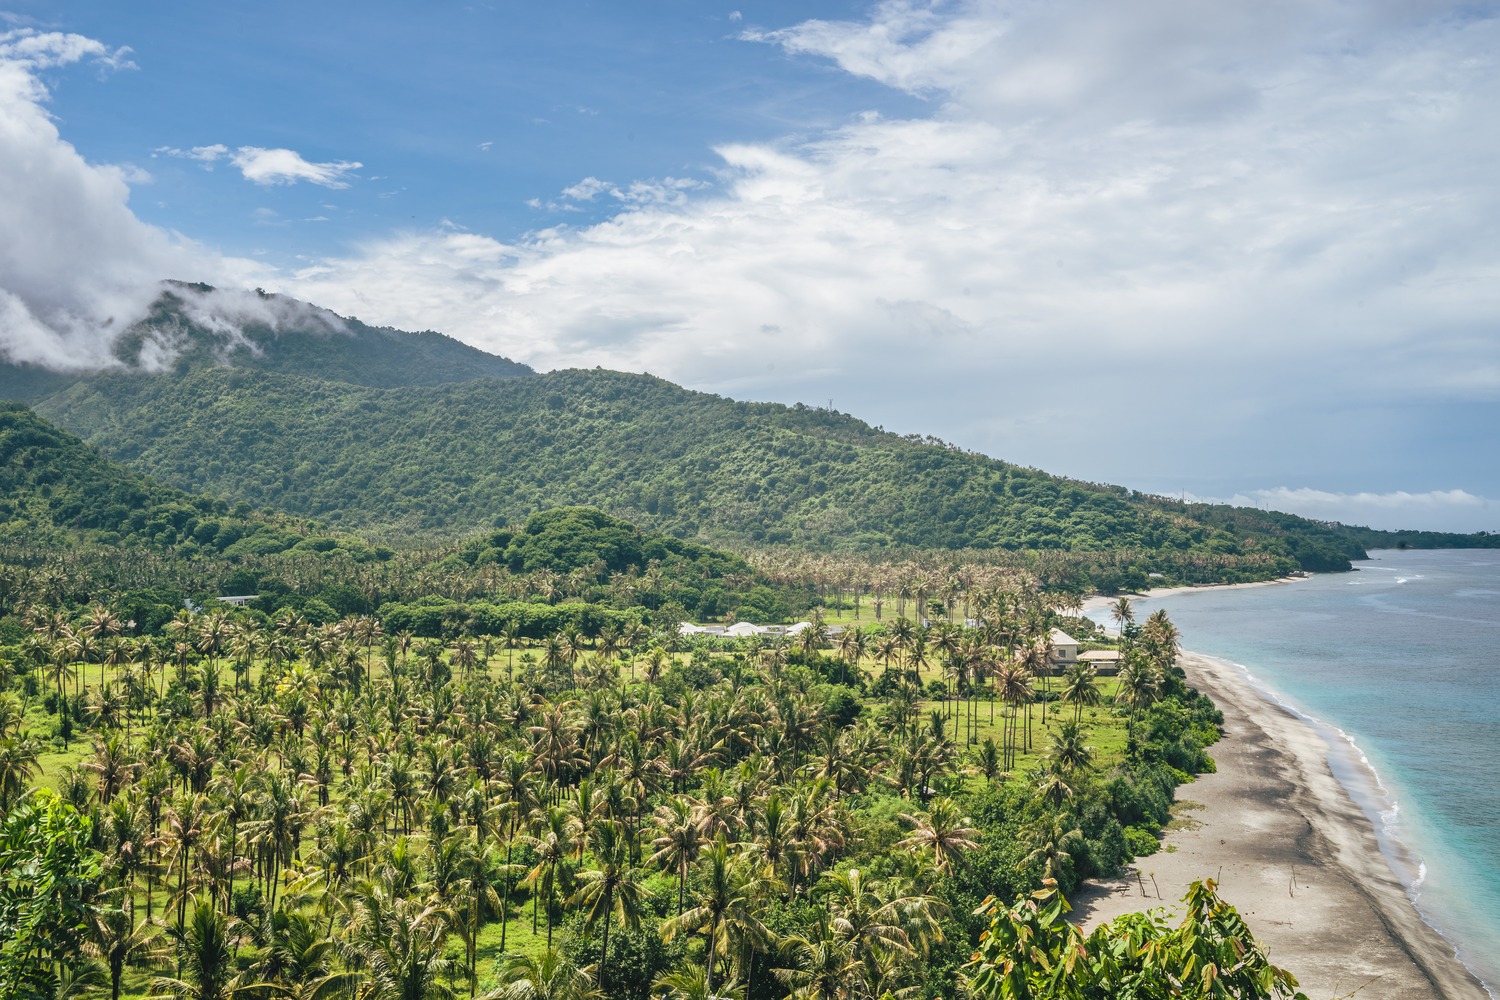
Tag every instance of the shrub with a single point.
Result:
(1141, 842)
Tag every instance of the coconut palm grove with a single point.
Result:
(253, 804)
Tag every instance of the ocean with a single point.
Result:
(1398, 664)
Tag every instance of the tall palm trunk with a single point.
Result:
(609, 898)
(510, 845)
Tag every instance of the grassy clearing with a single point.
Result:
(1104, 731)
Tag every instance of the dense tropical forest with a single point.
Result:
(238, 803)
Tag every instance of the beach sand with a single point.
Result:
(1294, 854)
(1098, 603)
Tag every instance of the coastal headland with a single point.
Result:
(1294, 854)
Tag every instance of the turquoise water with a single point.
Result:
(1400, 663)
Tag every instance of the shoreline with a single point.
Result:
(1294, 852)
(1099, 603)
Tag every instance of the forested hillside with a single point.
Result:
(445, 459)
(56, 491)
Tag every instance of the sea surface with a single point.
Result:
(1398, 664)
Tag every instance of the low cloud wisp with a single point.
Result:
(270, 166)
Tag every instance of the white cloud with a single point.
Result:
(284, 166)
(30, 49)
(668, 191)
(76, 265)
(586, 190)
(206, 155)
(272, 166)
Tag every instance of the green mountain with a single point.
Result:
(195, 325)
(417, 436)
(445, 460)
(64, 506)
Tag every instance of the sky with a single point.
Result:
(1244, 251)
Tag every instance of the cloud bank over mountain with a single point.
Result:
(1179, 246)
(1266, 215)
(76, 265)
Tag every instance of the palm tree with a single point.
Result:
(298, 964)
(819, 966)
(853, 644)
(552, 845)
(610, 888)
(113, 765)
(546, 977)
(1050, 839)
(19, 757)
(1140, 684)
(986, 758)
(1068, 753)
(1122, 613)
(510, 638)
(814, 637)
(465, 655)
(186, 825)
(1015, 691)
(400, 943)
(1081, 689)
(868, 924)
(481, 873)
(237, 793)
(879, 922)
(84, 647)
(1161, 639)
(690, 982)
(944, 830)
(516, 781)
(115, 938)
(205, 956)
(726, 899)
(680, 841)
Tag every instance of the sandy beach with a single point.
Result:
(1294, 853)
(1103, 603)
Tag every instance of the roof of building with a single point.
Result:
(1061, 638)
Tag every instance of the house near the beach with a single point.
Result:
(1106, 662)
(1064, 649)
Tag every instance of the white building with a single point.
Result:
(1106, 662)
(1064, 650)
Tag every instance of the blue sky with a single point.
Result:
(1245, 250)
(473, 115)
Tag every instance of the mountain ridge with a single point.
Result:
(193, 325)
(464, 450)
